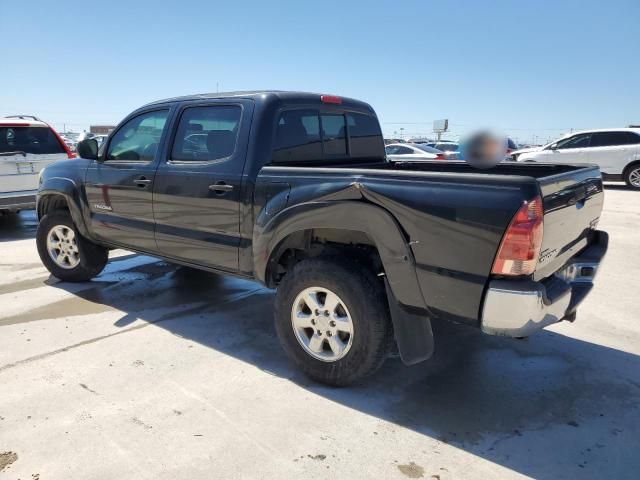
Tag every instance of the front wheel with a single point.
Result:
(632, 176)
(66, 254)
(332, 320)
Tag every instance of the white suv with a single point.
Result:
(27, 145)
(615, 151)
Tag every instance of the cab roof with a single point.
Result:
(265, 95)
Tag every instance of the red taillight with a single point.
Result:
(440, 156)
(331, 99)
(520, 247)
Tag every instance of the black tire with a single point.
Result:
(634, 170)
(364, 296)
(93, 257)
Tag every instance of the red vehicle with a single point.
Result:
(27, 145)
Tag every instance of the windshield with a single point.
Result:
(448, 147)
(35, 140)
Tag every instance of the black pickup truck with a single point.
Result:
(294, 190)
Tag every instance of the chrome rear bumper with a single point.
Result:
(517, 308)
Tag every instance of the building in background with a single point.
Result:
(101, 129)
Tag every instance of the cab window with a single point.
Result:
(207, 133)
(138, 139)
(298, 137)
(365, 136)
(309, 135)
(334, 135)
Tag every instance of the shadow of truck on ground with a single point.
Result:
(550, 406)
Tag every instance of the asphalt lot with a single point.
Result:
(157, 371)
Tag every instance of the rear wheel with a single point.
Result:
(632, 176)
(66, 254)
(332, 320)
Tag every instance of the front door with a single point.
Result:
(569, 150)
(120, 185)
(197, 190)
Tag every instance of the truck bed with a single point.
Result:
(454, 215)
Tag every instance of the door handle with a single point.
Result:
(142, 182)
(220, 188)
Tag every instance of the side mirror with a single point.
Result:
(553, 147)
(88, 149)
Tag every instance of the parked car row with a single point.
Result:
(72, 139)
(615, 151)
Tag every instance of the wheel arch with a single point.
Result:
(61, 194)
(352, 224)
(629, 166)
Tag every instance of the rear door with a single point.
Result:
(198, 186)
(24, 151)
(119, 187)
(613, 151)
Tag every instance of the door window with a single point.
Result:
(138, 139)
(610, 139)
(577, 141)
(207, 133)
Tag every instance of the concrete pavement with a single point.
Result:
(157, 371)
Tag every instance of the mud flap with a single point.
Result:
(412, 332)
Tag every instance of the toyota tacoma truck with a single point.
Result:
(294, 190)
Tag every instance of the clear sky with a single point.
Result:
(527, 68)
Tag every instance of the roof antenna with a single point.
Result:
(217, 87)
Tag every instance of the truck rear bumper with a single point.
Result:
(18, 200)
(516, 308)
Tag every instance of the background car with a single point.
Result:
(511, 147)
(399, 152)
(450, 149)
(100, 139)
(615, 151)
(27, 145)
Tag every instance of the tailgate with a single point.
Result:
(572, 205)
(20, 172)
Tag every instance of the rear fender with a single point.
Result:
(409, 313)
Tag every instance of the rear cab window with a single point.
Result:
(311, 135)
(36, 140)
